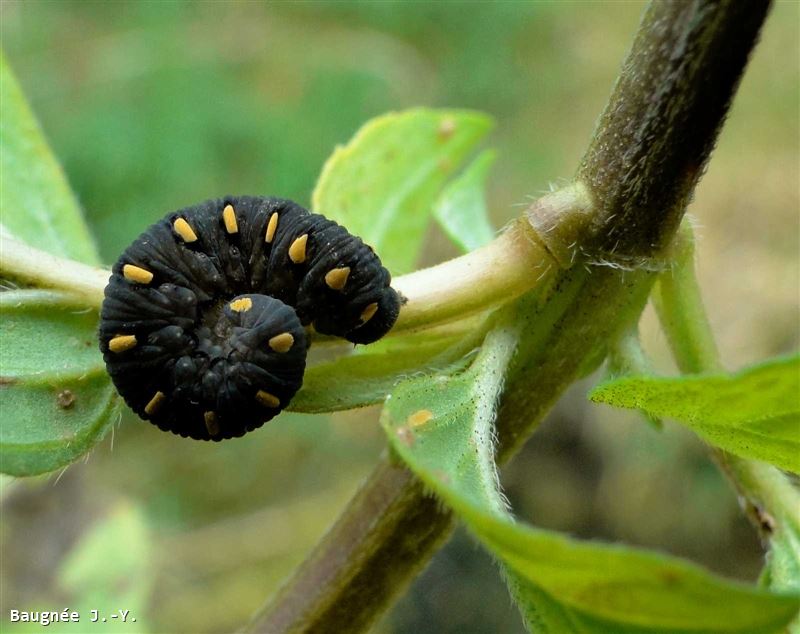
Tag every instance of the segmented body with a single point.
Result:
(202, 327)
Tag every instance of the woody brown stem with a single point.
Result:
(646, 156)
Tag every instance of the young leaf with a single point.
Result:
(38, 206)
(461, 207)
(440, 427)
(383, 183)
(55, 397)
(465, 412)
(754, 413)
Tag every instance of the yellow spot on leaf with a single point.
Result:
(446, 128)
(405, 436)
(419, 418)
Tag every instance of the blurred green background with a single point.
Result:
(155, 105)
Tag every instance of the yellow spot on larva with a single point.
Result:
(184, 230)
(137, 274)
(267, 399)
(229, 218)
(369, 312)
(121, 343)
(297, 252)
(241, 305)
(419, 418)
(282, 342)
(272, 227)
(212, 426)
(155, 403)
(337, 278)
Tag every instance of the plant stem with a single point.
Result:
(679, 304)
(654, 139)
(643, 162)
(511, 264)
(23, 262)
(389, 520)
(507, 267)
(769, 498)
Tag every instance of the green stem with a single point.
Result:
(39, 268)
(679, 304)
(770, 500)
(508, 266)
(513, 263)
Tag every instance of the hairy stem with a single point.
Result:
(652, 144)
(389, 520)
(505, 268)
(647, 154)
(769, 499)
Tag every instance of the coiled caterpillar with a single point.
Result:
(203, 324)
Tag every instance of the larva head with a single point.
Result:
(377, 318)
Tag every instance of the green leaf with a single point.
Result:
(108, 570)
(461, 207)
(383, 183)
(46, 336)
(449, 412)
(545, 615)
(38, 206)
(462, 418)
(366, 379)
(56, 399)
(441, 428)
(627, 358)
(46, 427)
(754, 413)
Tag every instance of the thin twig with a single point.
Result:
(770, 501)
(452, 290)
